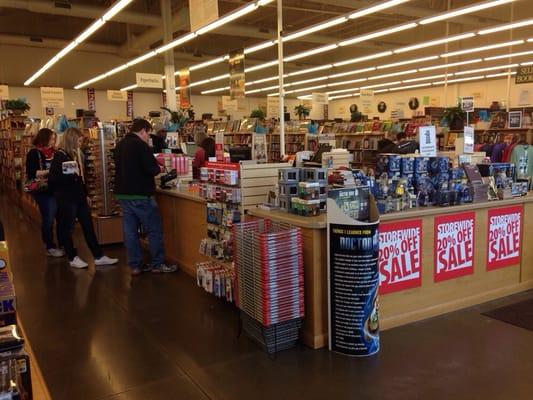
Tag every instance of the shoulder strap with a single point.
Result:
(41, 164)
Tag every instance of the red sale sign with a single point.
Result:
(454, 245)
(400, 254)
(503, 237)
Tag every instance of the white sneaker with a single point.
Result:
(55, 252)
(78, 263)
(105, 260)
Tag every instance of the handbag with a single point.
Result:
(37, 185)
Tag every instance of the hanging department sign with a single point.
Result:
(367, 100)
(454, 246)
(53, 97)
(524, 74)
(503, 237)
(202, 12)
(149, 80)
(272, 107)
(117, 95)
(319, 98)
(4, 92)
(129, 105)
(91, 99)
(185, 90)
(237, 79)
(400, 255)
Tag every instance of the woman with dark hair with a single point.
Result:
(206, 150)
(38, 162)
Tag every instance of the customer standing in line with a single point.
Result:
(67, 180)
(38, 162)
(135, 170)
(206, 150)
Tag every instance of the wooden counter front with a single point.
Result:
(431, 298)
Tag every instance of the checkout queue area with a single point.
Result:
(336, 192)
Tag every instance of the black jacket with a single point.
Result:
(158, 144)
(35, 161)
(66, 188)
(387, 146)
(135, 167)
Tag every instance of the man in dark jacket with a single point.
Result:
(135, 170)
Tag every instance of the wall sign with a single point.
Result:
(319, 98)
(228, 104)
(237, 80)
(400, 256)
(427, 137)
(4, 92)
(129, 105)
(454, 246)
(52, 97)
(367, 100)
(524, 74)
(91, 99)
(185, 90)
(467, 104)
(272, 107)
(149, 80)
(515, 119)
(503, 237)
(117, 95)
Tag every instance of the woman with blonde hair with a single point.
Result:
(68, 183)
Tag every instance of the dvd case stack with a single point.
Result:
(269, 270)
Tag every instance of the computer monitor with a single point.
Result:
(240, 153)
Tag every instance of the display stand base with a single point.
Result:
(108, 229)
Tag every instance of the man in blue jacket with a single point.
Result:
(135, 170)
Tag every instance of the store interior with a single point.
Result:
(360, 229)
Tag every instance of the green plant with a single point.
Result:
(18, 104)
(454, 117)
(178, 117)
(302, 111)
(257, 113)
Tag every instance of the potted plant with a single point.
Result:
(454, 117)
(257, 113)
(178, 118)
(18, 106)
(302, 111)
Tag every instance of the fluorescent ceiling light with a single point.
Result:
(522, 53)
(215, 90)
(464, 10)
(261, 3)
(411, 71)
(307, 88)
(475, 71)
(342, 91)
(459, 80)
(228, 18)
(175, 43)
(252, 91)
(311, 52)
(530, 40)
(410, 87)
(320, 78)
(357, 71)
(426, 78)
(500, 74)
(142, 58)
(527, 63)
(342, 96)
(430, 43)
(505, 27)
(455, 64)
(115, 9)
(309, 70)
(260, 46)
(364, 58)
(131, 87)
(205, 64)
(483, 48)
(381, 91)
(384, 32)
(315, 28)
(347, 82)
(90, 30)
(261, 66)
(376, 8)
(203, 82)
(117, 69)
(381, 85)
(219, 77)
(416, 60)
(66, 50)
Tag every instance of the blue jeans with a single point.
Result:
(48, 209)
(137, 213)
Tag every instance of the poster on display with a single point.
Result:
(467, 104)
(503, 237)
(524, 74)
(154, 81)
(4, 92)
(185, 90)
(427, 138)
(400, 256)
(237, 80)
(260, 148)
(202, 12)
(367, 100)
(129, 105)
(434, 101)
(454, 246)
(515, 119)
(272, 107)
(117, 95)
(468, 143)
(353, 275)
(52, 97)
(91, 99)
(524, 97)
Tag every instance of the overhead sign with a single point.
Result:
(149, 80)
(524, 74)
(367, 100)
(237, 79)
(427, 138)
(468, 140)
(117, 95)
(503, 237)
(400, 256)
(467, 104)
(185, 90)
(129, 105)
(454, 245)
(319, 98)
(4, 92)
(272, 107)
(53, 97)
(91, 99)
(228, 104)
(202, 12)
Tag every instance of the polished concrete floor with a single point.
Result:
(98, 334)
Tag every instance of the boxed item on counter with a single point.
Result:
(306, 208)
